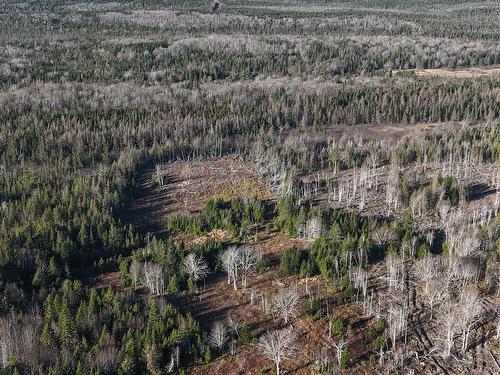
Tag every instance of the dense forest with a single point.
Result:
(374, 126)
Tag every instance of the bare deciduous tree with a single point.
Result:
(218, 335)
(425, 270)
(106, 358)
(278, 346)
(233, 324)
(339, 350)
(469, 313)
(359, 278)
(395, 272)
(397, 319)
(154, 278)
(468, 272)
(285, 302)
(449, 326)
(312, 228)
(393, 183)
(19, 339)
(435, 293)
(7, 339)
(135, 272)
(248, 259)
(196, 267)
(230, 261)
(384, 236)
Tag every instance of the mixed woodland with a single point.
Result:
(385, 186)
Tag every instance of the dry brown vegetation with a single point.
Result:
(454, 73)
(186, 188)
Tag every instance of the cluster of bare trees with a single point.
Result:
(444, 287)
(457, 319)
(395, 300)
(107, 357)
(448, 285)
(392, 189)
(461, 229)
(311, 229)
(406, 172)
(152, 276)
(218, 335)
(20, 339)
(239, 262)
(384, 236)
(273, 170)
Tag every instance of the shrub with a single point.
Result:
(380, 325)
(184, 224)
(345, 357)
(379, 341)
(338, 325)
(244, 334)
(208, 355)
(422, 250)
(314, 309)
(290, 260)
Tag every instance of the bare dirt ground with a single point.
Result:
(459, 73)
(187, 187)
(274, 243)
(109, 279)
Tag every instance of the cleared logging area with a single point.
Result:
(451, 73)
(183, 187)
